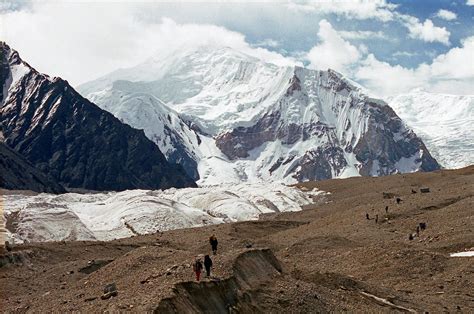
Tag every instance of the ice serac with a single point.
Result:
(444, 122)
(72, 140)
(242, 119)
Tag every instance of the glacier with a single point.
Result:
(444, 122)
(32, 217)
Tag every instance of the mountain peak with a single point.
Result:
(256, 121)
(69, 138)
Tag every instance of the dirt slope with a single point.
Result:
(326, 258)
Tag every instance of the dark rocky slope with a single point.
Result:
(77, 143)
(16, 173)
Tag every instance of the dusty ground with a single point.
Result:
(332, 258)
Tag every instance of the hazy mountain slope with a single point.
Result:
(16, 173)
(74, 141)
(444, 122)
(246, 120)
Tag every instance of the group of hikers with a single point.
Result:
(421, 226)
(198, 264)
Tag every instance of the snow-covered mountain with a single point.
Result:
(70, 139)
(444, 122)
(230, 117)
(107, 216)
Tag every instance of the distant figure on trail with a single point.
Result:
(410, 237)
(207, 265)
(197, 268)
(213, 242)
(398, 200)
(386, 209)
(376, 218)
(367, 216)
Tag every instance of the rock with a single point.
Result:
(93, 265)
(388, 195)
(424, 190)
(8, 246)
(90, 299)
(110, 290)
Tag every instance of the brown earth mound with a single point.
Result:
(328, 257)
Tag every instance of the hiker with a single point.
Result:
(376, 218)
(197, 267)
(386, 209)
(213, 242)
(398, 200)
(207, 265)
(367, 216)
(410, 237)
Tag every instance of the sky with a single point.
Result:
(390, 47)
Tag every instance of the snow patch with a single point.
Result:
(462, 254)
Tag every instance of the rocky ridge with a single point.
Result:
(67, 137)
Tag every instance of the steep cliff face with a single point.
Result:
(77, 143)
(254, 121)
(16, 173)
(345, 130)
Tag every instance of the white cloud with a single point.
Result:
(405, 54)
(81, 42)
(457, 63)
(470, 2)
(446, 15)
(362, 35)
(426, 31)
(385, 79)
(356, 9)
(333, 51)
(268, 42)
(447, 73)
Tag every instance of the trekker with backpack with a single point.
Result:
(197, 268)
(207, 265)
(213, 242)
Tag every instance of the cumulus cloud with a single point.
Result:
(356, 9)
(362, 35)
(446, 15)
(405, 54)
(470, 2)
(332, 51)
(426, 31)
(267, 42)
(80, 42)
(380, 10)
(447, 73)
